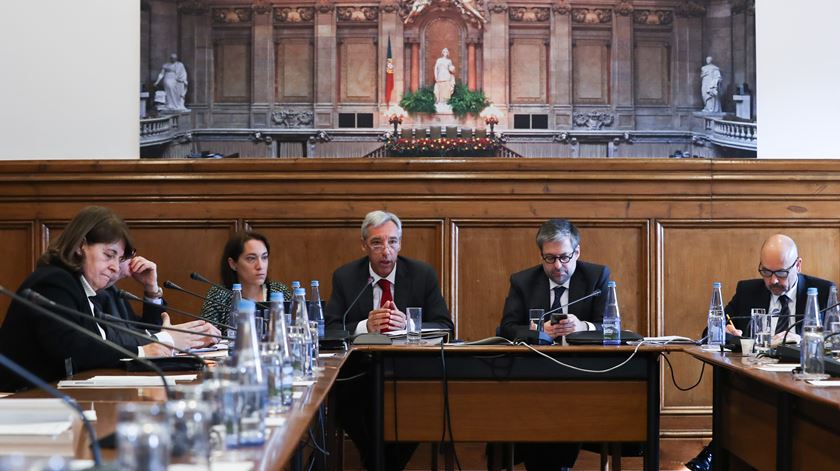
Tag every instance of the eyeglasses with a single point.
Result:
(377, 244)
(767, 273)
(564, 258)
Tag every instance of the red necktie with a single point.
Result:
(386, 295)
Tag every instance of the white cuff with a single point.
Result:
(165, 337)
(361, 327)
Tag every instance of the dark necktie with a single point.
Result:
(386, 295)
(558, 293)
(783, 321)
(97, 312)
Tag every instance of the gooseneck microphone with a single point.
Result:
(131, 297)
(597, 292)
(119, 320)
(353, 303)
(197, 277)
(170, 285)
(78, 328)
(43, 386)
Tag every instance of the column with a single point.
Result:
(391, 26)
(471, 67)
(623, 96)
(560, 66)
(197, 56)
(718, 44)
(688, 58)
(263, 67)
(326, 66)
(495, 58)
(415, 65)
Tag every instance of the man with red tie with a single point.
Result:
(375, 291)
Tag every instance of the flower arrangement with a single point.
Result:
(443, 147)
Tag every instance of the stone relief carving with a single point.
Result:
(325, 6)
(690, 8)
(565, 138)
(498, 7)
(357, 14)
(261, 7)
(231, 15)
(624, 7)
(470, 10)
(593, 120)
(288, 118)
(591, 15)
(294, 15)
(193, 7)
(561, 8)
(320, 136)
(389, 6)
(529, 15)
(653, 17)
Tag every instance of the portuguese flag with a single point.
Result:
(389, 74)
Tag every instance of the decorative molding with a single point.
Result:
(561, 8)
(261, 7)
(232, 15)
(743, 6)
(593, 120)
(624, 138)
(357, 14)
(261, 137)
(529, 15)
(289, 118)
(325, 6)
(624, 7)
(592, 16)
(294, 14)
(690, 9)
(498, 7)
(193, 7)
(320, 136)
(653, 17)
(389, 6)
(565, 138)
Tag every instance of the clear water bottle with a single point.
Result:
(280, 334)
(831, 323)
(811, 348)
(300, 318)
(316, 311)
(253, 389)
(612, 317)
(233, 318)
(295, 285)
(717, 319)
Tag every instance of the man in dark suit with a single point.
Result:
(782, 288)
(395, 283)
(559, 279)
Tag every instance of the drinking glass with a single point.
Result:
(143, 440)
(189, 422)
(536, 318)
(414, 326)
(761, 332)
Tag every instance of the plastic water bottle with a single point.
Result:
(253, 389)
(612, 317)
(233, 319)
(300, 318)
(316, 311)
(811, 349)
(295, 285)
(831, 324)
(279, 333)
(717, 319)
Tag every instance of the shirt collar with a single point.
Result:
(86, 286)
(790, 293)
(552, 284)
(391, 276)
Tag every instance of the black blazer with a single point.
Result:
(114, 305)
(416, 286)
(42, 345)
(753, 293)
(529, 290)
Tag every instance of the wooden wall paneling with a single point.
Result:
(294, 70)
(487, 252)
(18, 252)
(696, 253)
(232, 67)
(312, 249)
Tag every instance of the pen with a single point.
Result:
(729, 319)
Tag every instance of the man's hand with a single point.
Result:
(154, 350)
(730, 329)
(144, 271)
(792, 337)
(194, 340)
(564, 327)
(387, 317)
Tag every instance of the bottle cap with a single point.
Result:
(295, 284)
(237, 286)
(315, 283)
(276, 297)
(812, 291)
(716, 284)
(300, 292)
(246, 305)
(611, 284)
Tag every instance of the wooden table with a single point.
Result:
(502, 393)
(768, 420)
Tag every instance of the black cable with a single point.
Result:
(351, 378)
(447, 416)
(394, 396)
(674, 379)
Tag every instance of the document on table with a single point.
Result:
(826, 383)
(35, 426)
(779, 367)
(114, 382)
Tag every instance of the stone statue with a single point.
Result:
(416, 7)
(174, 76)
(710, 86)
(470, 8)
(444, 77)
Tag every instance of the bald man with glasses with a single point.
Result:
(782, 287)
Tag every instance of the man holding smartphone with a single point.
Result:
(560, 279)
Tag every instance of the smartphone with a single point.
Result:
(556, 318)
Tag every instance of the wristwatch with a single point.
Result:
(156, 295)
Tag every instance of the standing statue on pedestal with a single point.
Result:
(444, 78)
(174, 76)
(710, 86)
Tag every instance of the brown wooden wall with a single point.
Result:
(667, 229)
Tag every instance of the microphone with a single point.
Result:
(597, 292)
(119, 320)
(131, 297)
(170, 285)
(43, 386)
(197, 277)
(78, 328)
(353, 303)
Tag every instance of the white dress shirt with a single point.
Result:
(361, 327)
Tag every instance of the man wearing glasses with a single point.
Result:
(782, 287)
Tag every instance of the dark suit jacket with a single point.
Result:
(42, 345)
(416, 286)
(529, 290)
(753, 293)
(114, 305)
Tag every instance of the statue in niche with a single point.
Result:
(444, 78)
(174, 76)
(416, 7)
(711, 80)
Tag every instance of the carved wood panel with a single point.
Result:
(232, 70)
(653, 73)
(358, 70)
(294, 66)
(18, 253)
(591, 71)
(528, 71)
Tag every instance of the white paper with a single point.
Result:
(303, 383)
(827, 383)
(779, 368)
(326, 355)
(48, 429)
(670, 339)
(275, 421)
(16, 411)
(124, 381)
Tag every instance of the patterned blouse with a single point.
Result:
(217, 305)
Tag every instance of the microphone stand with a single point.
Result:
(78, 328)
(131, 297)
(597, 292)
(197, 277)
(353, 303)
(170, 285)
(118, 320)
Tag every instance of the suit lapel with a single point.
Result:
(402, 287)
(365, 304)
(577, 288)
(541, 294)
(801, 295)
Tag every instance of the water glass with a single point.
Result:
(297, 343)
(143, 439)
(273, 374)
(832, 344)
(414, 326)
(189, 421)
(316, 348)
(536, 318)
(760, 323)
(811, 349)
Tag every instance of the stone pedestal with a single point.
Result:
(443, 109)
(743, 106)
(143, 97)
